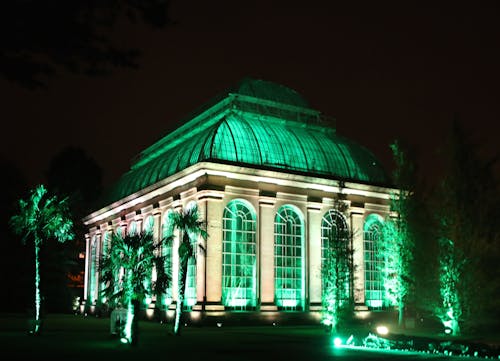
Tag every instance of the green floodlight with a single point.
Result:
(337, 341)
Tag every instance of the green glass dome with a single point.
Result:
(257, 125)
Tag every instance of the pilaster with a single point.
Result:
(314, 268)
(266, 237)
(358, 257)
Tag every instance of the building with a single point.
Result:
(266, 172)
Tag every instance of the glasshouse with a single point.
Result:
(274, 184)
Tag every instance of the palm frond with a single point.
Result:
(136, 254)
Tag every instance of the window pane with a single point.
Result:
(288, 243)
(239, 256)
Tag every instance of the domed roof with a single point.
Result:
(267, 90)
(261, 125)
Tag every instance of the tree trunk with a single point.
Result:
(38, 299)
(135, 323)
(130, 309)
(455, 328)
(401, 310)
(126, 335)
(180, 298)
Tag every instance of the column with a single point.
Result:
(175, 258)
(200, 252)
(87, 269)
(314, 270)
(156, 238)
(358, 258)
(96, 262)
(214, 208)
(266, 252)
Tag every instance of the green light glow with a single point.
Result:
(129, 297)
(258, 133)
(106, 244)
(132, 228)
(397, 252)
(93, 270)
(336, 268)
(239, 256)
(290, 303)
(451, 265)
(396, 346)
(149, 224)
(190, 286)
(337, 341)
(398, 246)
(288, 258)
(374, 262)
(168, 231)
(191, 227)
(133, 258)
(42, 217)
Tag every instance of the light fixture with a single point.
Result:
(382, 330)
(337, 341)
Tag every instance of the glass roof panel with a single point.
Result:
(334, 158)
(223, 146)
(262, 133)
(246, 144)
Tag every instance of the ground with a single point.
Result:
(75, 337)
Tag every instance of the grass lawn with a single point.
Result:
(74, 337)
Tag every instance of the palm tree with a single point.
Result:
(191, 227)
(134, 256)
(42, 216)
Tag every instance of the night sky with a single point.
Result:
(384, 72)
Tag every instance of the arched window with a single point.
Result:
(289, 259)
(132, 228)
(106, 243)
(149, 224)
(335, 258)
(374, 287)
(333, 227)
(119, 231)
(239, 256)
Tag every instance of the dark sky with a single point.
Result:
(383, 72)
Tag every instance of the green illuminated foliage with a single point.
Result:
(467, 207)
(336, 267)
(134, 256)
(397, 241)
(451, 267)
(166, 298)
(397, 254)
(42, 217)
(188, 223)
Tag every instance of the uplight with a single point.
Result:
(382, 330)
(337, 341)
